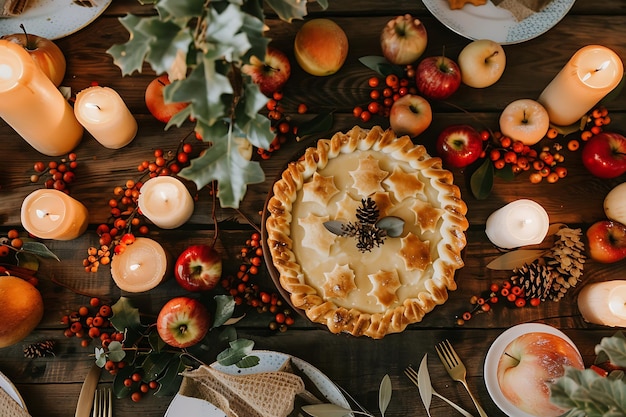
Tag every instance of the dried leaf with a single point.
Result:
(481, 181)
(335, 227)
(516, 259)
(424, 384)
(384, 394)
(325, 410)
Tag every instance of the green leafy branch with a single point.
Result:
(202, 45)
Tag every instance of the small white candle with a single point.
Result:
(141, 266)
(52, 214)
(166, 202)
(32, 105)
(591, 73)
(522, 222)
(604, 303)
(104, 114)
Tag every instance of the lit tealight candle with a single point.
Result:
(32, 105)
(52, 214)
(141, 266)
(104, 114)
(522, 222)
(591, 73)
(604, 303)
(166, 202)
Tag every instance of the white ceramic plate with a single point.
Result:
(269, 361)
(53, 19)
(495, 23)
(10, 389)
(497, 350)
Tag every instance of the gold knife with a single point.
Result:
(85, 398)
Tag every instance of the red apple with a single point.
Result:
(459, 145)
(607, 241)
(183, 322)
(44, 52)
(438, 77)
(604, 155)
(272, 73)
(529, 364)
(155, 101)
(403, 40)
(410, 115)
(198, 268)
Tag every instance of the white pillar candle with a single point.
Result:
(52, 214)
(591, 73)
(522, 222)
(141, 266)
(166, 202)
(32, 105)
(104, 114)
(604, 303)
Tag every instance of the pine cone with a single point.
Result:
(39, 349)
(368, 212)
(536, 279)
(567, 257)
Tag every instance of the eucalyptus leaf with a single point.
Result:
(424, 384)
(238, 350)
(334, 226)
(225, 306)
(116, 351)
(100, 357)
(392, 225)
(248, 362)
(384, 394)
(516, 259)
(325, 410)
(481, 181)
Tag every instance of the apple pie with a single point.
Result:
(365, 232)
(12, 7)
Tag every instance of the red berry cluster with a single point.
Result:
(10, 242)
(167, 163)
(139, 386)
(56, 175)
(91, 322)
(597, 118)
(512, 296)
(283, 127)
(384, 92)
(243, 290)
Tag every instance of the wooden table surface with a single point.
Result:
(50, 386)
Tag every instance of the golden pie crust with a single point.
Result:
(376, 292)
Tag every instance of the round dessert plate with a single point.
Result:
(54, 19)
(497, 350)
(9, 388)
(491, 22)
(269, 361)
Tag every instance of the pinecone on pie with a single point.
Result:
(361, 280)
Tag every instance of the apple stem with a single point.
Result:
(525, 120)
(491, 56)
(511, 357)
(28, 46)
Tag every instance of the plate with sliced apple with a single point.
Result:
(520, 365)
(54, 19)
(489, 21)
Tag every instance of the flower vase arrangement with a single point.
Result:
(202, 46)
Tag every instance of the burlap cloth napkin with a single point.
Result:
(521, 9)
(9, 407)
(10, 8)
(268, 394)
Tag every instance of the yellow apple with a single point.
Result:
(615, 204)
(482, 63)
(525, 120)
(321, 47)
(46, 54)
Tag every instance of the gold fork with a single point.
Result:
(456, 369)
(412, 375)
(103, 403)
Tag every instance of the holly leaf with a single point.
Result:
(170, 380)
(126, 319)
(288, 9)
(481, 181)
(224, 35)
(615, 348)
(224, 164)
(129, 56)
(189, 9)
(155, 363)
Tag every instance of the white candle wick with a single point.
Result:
(134, 267)
(92, 105)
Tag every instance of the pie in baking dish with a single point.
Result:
(360, 278)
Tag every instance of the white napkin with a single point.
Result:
(9, 407)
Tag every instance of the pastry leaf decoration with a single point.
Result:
(369, 230)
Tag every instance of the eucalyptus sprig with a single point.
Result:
(202, 46)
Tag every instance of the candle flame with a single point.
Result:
(604, 66)
(42, 213)
(93, 106)
(134, 267)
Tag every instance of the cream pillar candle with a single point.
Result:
(32, 105)
(52, 214)
(166, 202)
(141, 266)
(104, 114)
(604, 303)
(591, 73)
(522, 222)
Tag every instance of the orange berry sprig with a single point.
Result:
(596, 119)
(10, 242)
(282, 125)
(242, 288)
(90, 323)
(56, 175)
